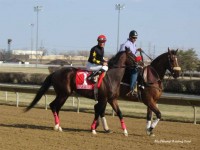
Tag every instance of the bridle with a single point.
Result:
(173, 63)
(172, 59)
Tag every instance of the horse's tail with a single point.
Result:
(45, 86)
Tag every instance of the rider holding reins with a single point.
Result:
(96, 62)
(131, 45)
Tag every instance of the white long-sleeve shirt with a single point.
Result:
(130, 45)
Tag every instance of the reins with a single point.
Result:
(114, 67)
(146, 55)
(149, 85)
(131, 59)
(170, 74)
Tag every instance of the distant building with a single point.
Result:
(27, 52)
(31, 54)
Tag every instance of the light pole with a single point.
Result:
(8, 55)
(9, 43)
(118, 7)
(31, 25)
(37, 9)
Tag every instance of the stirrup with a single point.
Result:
(92, 79)
(132, 93)
(141, 86)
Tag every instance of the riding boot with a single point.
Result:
(92, 76)
(133, 93)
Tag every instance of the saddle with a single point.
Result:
(83, 83)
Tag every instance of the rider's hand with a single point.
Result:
(105, 64)
(139, 49)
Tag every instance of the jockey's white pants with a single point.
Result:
(95, 67)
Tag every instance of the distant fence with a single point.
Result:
(170, 99)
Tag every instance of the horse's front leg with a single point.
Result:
(148, 123)
(104, 121)
(99, 111)
(116, 108)
(151, 126)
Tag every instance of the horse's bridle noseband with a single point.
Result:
(171, 60)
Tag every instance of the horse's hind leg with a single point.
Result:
(55, 108)
(155, 109)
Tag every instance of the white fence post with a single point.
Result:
(78, 104)
(73, 101)
(17, 99)
(113, 113)
(195, 120)
(6, 93)
(181, 100)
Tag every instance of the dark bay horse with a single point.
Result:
(150, 84)
(64, 84)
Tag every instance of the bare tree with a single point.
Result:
(5, 55)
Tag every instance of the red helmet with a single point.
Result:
(101, 38)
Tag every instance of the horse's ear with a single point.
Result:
(177, 50)
(127, 50)
(168, 49)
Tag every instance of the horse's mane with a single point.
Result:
(114, 59)
(164, 55)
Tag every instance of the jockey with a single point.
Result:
(131, 45)
(96, 62)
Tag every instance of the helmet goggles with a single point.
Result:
(101, 39)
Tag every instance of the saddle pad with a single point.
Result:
(81, 80)
(83, 83)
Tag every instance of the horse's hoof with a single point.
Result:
(60, 129)
(125, 132)
(152, 135)
(149, 132)
(94, 132)
(57, 127)
(108, 131)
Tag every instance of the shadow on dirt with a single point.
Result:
(28, 126)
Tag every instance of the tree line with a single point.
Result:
(188, 59)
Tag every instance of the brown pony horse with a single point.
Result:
(63, 81)
(150, 84)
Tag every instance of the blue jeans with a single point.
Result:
(134, 75)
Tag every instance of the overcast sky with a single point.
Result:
(75, 24)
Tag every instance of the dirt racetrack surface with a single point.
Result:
(34, 131)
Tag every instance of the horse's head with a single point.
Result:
(122, 59)
(173, 66)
